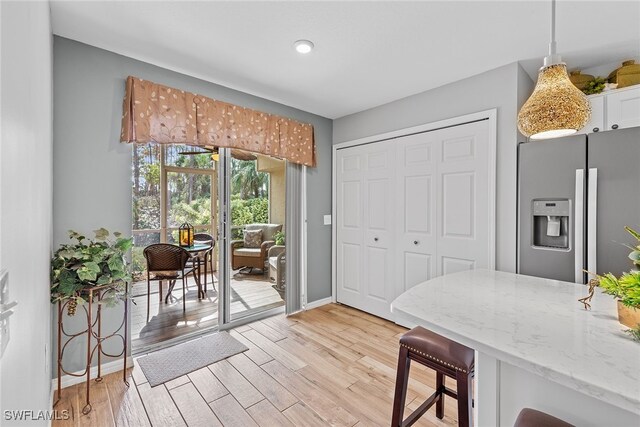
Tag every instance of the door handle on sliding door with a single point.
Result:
(579, 227)
(592, 222)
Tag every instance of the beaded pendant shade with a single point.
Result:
(556, 107)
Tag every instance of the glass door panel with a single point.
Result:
(145, 203)
(254, 197)
(189, 200)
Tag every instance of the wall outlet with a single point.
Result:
(327, 220)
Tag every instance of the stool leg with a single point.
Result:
(465, 396)
(402, 378)
(440, 402)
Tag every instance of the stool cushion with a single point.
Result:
(531, 418)
(439, 349)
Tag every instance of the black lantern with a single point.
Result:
(185, 234)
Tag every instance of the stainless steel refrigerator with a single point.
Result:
(575, 196)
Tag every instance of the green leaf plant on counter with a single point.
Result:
(626, 288)
(87, 263)
(634, 255)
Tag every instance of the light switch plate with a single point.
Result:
(327, 220)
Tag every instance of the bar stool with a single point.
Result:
(531, 418)
(444, 356)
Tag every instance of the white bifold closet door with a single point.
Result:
(410, 209)
(415, 222)
(366, 229)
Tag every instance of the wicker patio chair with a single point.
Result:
(167, 262)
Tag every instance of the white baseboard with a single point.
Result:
(107, 368)
(318, 303)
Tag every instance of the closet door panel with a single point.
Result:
(415, 211)
(365, 210)
(350, 224)
(462, 192)
(379, 211)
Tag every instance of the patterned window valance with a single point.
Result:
(155, 113)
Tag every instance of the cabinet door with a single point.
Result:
(596, 124)
(464, 234)
(623, 109)
(415, 212)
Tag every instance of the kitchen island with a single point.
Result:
(536, 346)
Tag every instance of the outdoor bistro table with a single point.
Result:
(195, 250)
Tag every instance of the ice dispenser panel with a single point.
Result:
(551, 224)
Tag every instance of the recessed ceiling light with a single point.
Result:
(303, 46)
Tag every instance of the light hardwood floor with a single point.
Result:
(333, 365)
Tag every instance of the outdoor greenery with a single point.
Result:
(246, 181)
(86, 263)
(189, 194)
(249, 211)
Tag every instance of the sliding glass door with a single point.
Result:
(252, 239)
(171, 185)
(247, 202)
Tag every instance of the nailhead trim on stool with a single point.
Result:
(434, 358)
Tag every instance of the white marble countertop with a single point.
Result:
(535, 324)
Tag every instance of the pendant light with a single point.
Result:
(556, 107)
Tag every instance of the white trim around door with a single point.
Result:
(490, 115)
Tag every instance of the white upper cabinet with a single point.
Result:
(617, 109)
(623, 108)
(596, 124)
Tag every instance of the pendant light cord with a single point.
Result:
(552, 45)
(553, 57)
(552, 49)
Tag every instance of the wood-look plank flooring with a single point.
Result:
(331, 366)
(249, 293)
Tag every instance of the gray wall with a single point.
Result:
(25, 198)
(525, 87)
(497, 88)
(92, 169)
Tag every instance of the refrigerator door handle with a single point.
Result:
(592, 222)
(579, 227)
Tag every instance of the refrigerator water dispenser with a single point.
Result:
(551, 224)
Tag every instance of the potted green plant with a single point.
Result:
(626, 290)
(279, 238)
(594, 86)
(88, 263)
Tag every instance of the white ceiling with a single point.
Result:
(367, 53)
